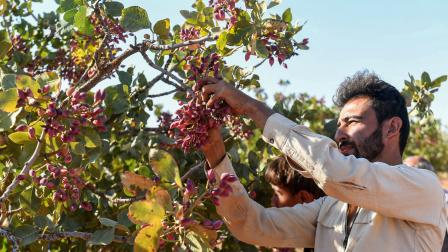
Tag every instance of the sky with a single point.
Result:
(392, 38)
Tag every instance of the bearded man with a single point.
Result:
(374, 202)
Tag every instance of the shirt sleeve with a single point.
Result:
(270, 227)
(396, 191)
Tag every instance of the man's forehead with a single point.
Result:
(356, 107)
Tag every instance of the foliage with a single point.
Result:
(81, 169)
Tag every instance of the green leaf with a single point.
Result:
(107, 222)
(27, 234)
(164, 165)
(114, 8)
(25, 81)
(438, 82)
(43, 222)
(8, 100)
(124, 77)
(261, 49)
(274, 3)
(82, 21)
(29, 201)
(69, 16)
(91, 138)
(134, 18)
(5, 121)
(5, 42)
(77, 148)
(8, 81)
(222, 40)
(65, 5)
(287, 15)
(147, 239)
(162, 28)
(146, 212)
(20, 137)
(102, 237)
(116, 99)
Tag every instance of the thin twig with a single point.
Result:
(25, 169)
(152, 46)
(192, 170)
(162, 94)
(155, 66)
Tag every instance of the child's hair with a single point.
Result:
(280, 173)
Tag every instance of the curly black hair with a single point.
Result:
(386, 99)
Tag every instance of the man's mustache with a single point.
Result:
(346, 143)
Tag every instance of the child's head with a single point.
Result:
(290, 188)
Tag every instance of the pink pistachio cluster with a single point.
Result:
(224, 189)
(223, 7)
(65, 183)
(189, 33)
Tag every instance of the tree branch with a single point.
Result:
(79, 235)
(13, 239)
(25, 168)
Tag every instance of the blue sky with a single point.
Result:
(391, 38)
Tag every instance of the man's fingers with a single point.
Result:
(214, 99)
(207, 91)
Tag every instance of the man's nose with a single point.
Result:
(340, 134)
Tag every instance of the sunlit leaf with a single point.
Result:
(147, 239)
(91, 138)
(162, 27)
(25, 81)
(274, 3)
(146, 212)
(287, 15)
(164, 165)
(5, 42)
(8, 100)
(82, 21)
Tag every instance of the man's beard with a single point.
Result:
(370, 148)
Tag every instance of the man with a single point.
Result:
(290, 188)
(374, 202)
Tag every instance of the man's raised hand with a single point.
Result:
(217, 90)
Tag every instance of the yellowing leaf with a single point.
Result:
(91, 138)
(146, 212)
(131, 181)
(164, 165)
(8, 100)
(147, 239)
(25, 81)
(162, 197)
(162, 28)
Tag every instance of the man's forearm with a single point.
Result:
(259, 112)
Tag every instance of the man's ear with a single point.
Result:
(393, 127)
(305, 196)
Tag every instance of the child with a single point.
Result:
(290, 188)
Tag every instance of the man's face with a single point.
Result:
(358, 131)
(282, 197)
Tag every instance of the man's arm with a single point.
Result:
(252, 223)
